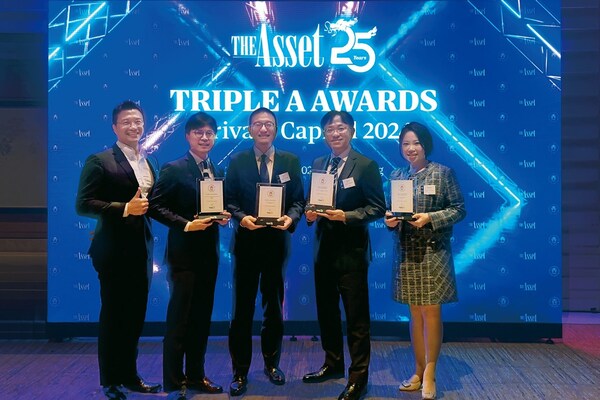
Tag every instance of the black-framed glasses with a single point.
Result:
(259, 125)
(339, 129)
(200, 133)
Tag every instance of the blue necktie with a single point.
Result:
(334, 163)
(264, 172)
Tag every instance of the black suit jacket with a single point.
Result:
(240, 197)
(106, 184)
(174, 204)
(347, 245)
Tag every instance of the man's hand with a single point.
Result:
(224, 222)
(138, 205)
(390, 221)
(334, 215)
(200, 224)
(248, 223)
(287, 221)
(311, 216)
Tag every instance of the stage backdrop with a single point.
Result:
(484, 75)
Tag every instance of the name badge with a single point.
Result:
(285, 177)
(348, 183)
(429, 189)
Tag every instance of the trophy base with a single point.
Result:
(211, 216)
(267, 221)
(403, 216)
(317, 208)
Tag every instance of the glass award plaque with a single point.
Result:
(322, 191)
(270, 203)
(402, 199)
(210, 198)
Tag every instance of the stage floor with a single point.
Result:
(479, 369)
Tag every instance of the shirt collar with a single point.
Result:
(343, 155)
(197, 159)
(129, 152)
(269, 153)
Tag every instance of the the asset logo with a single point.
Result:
(346, 45)
(478, 317)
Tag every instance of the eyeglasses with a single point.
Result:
(339, 129)
(127, 123)
(259, 125)
(202, 133)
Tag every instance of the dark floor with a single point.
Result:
(567, 369)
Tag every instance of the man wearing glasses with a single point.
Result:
(343, 254)
(112, 189)
(259, 252)
(192, 256)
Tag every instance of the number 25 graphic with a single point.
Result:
(354, 43)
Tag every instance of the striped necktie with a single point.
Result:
(204, 168)
(333, 164)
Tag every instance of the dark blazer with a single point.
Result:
(347, 245)
(240, 196)
(174, 204)
(106, 184)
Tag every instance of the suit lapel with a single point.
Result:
(348, 166)
(124, 164)
(192, 166)
(252, 165)
(278, 167)
(213, 170)
(217, 171)
(321, 164)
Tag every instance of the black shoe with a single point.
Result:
(114, 392)
(239, 385)
(275, 375)
(325, 373)
(204, 385)
(142, 386)
(353, 391)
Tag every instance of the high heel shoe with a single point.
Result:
(429, 393)
(410, 385)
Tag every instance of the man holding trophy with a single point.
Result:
(189, 199)
(346, 195)
(264, 193)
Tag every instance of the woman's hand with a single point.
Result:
(420, 220)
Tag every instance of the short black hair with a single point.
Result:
(344, 116)
(125, 106)
(422, 134)
(261, 110)
(200, 120)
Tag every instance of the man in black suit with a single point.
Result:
(112, 188)
(343, 254)
(192, 255)
(260, 252)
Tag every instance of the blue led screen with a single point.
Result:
(483, 75)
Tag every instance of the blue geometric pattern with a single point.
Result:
(77, 29)
(529, 26)
(494, 64)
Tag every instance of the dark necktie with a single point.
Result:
(334, 163)
(204, 168)
(264, 172)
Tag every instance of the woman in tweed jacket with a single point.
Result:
(424, 276)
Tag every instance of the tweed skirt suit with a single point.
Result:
(424, 267)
